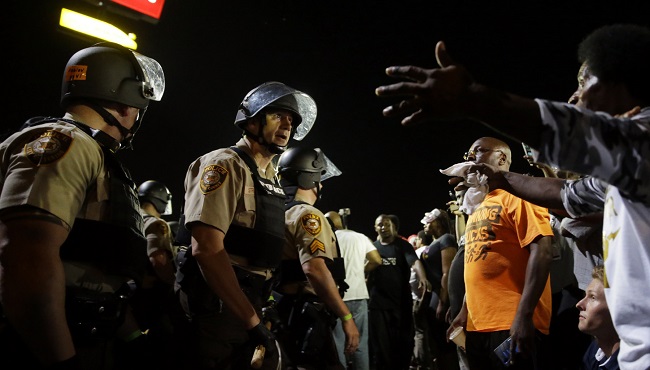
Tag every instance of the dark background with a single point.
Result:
(213, 52)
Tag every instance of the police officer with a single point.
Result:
(156, 201)
(70, 223)
(234, 211)
(155, 306)
(312, 277)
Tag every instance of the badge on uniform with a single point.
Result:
(212, 178)
(311, 223)
(316, 245)
(47, 148)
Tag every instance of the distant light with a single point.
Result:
(96, 28)
(150, 8)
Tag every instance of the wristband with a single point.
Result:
(346, 317)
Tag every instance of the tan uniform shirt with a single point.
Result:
(55, 167)
(219, 191)
(60, 169)
(308, 236)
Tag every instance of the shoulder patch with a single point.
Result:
(47, 148)
(212, 178)
(162, 228)
(311, 223)
(316, 245)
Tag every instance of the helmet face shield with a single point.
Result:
(265, 95)
(305, 167)
(168, 208)
(329, 168)
(307, 110)
(153, 84)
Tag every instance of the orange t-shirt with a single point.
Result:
(496, 258)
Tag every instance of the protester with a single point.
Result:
(613, 78)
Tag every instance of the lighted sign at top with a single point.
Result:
(151, 8)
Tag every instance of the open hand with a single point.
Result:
(431, 94)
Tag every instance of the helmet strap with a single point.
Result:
(259, 138)
(112, 121)
(319, 194)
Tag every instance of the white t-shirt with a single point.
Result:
(615, 151)
(354, 247)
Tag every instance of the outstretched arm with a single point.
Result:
(542, 191)
(449, 92)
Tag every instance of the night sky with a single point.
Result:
(214, 52)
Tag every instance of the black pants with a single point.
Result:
(216, 338)
(307, 335)
(391, 338)
(480, 352)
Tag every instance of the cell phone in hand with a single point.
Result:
(527, 150)
(503, 351)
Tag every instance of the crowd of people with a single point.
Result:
(255, 275)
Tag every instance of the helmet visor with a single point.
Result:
(153, 85)
(168, 208)
(307, 110)
(329, 169)
(269, 93)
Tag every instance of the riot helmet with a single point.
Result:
(278, 95)
(157, 194)
(305, 168)
(110, 72)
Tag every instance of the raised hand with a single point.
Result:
(431, 94)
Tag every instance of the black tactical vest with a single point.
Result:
(261, 245)
(115, 245)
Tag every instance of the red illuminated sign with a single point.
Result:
(151, 8)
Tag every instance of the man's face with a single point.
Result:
(278, 126)
(483, 151)
(594, 311)
(384, 228)
(593, 94)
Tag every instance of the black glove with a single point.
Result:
(261, 335)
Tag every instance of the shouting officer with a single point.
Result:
(234, 211)
(70, 225)
(312, 277)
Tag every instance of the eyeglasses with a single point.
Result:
(473, 152)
